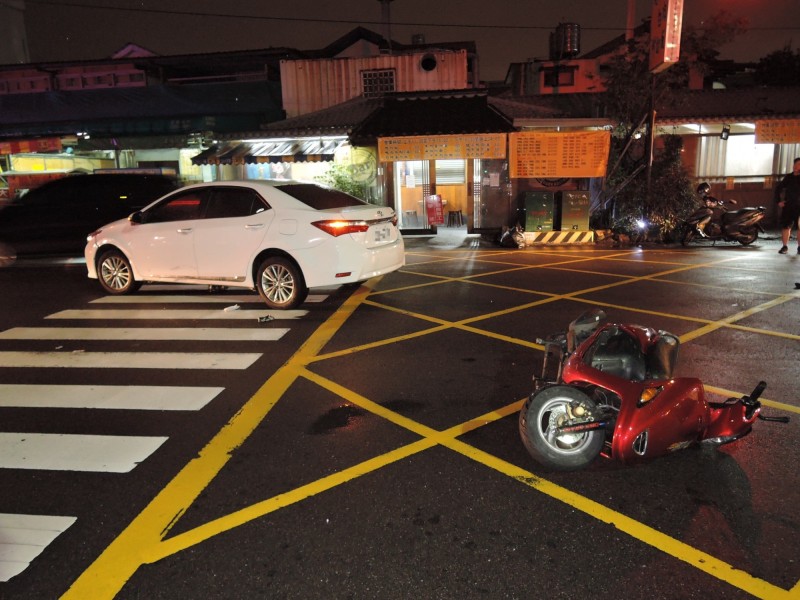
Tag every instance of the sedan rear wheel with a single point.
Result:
(280, 283)
(115, 274)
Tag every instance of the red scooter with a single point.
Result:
(607, 389)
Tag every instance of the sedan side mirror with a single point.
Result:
(136, 217)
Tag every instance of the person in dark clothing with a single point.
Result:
(790, 205)
(707, 210)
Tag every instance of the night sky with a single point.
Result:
(505, 31)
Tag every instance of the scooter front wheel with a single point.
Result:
(539, 419)
(688, 235)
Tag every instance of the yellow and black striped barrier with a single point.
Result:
(558, 237)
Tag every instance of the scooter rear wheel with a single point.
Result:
(748, 235)
(538, 422)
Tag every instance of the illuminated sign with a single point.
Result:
(563, 154)
(665, 34)
(437, 147)
(784, 131)
(31, 146)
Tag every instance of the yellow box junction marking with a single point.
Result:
(143, 541)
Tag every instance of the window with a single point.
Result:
(558, 76)
(181, 207)
(738, 156)
(233, 202)
(319, 198)
(450, 172)
(377, 82)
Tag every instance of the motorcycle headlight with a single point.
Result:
(649, 393)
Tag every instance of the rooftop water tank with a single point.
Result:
(566, 41)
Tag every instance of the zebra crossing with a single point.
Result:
(24, 537)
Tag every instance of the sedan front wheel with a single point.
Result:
(115, 274)
(280, 283)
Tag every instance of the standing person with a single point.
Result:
(790, 205)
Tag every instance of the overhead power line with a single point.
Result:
(251, 17)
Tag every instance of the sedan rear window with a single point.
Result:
(318, 197)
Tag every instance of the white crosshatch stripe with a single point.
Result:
(24, 537)
(177, 314)
(145, 333)
(134, 397)
(68, 452)
(129, 360)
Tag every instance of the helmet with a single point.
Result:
(703, 188)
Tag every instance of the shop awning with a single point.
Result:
(293, 151)
(225, 154)
(442, 113)
(236, 153)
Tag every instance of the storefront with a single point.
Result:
(450, 180)
(553, 175)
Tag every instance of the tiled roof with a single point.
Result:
(61, 112)
(735, 104)
(423, 113)
(335, 120)
(433, 113)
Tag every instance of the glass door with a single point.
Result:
(411, 186)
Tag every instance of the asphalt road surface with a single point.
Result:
(366, 446)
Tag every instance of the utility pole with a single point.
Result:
(386, 19)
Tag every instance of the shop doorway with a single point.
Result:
(416, 180)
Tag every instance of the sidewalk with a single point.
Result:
(451, 238)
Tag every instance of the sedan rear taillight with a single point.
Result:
(337, 228)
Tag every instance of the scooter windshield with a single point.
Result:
(662, 356)
(583, 327)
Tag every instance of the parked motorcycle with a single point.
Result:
(740, 225)
(607, 389)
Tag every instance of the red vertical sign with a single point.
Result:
(433, 208)
(665, 34)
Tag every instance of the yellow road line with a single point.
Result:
(143, 540)
(713, 326)
(120, 560)
(637, 530)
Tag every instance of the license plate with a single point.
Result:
(382, 233)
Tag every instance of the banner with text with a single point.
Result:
(563, 154)
(436, 147)
(784, 131)
(30, 146)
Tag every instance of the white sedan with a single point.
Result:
(280, 238)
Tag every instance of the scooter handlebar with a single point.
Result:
(773, 419)
(756, 393)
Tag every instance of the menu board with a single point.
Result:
(562, 154)
(784, 131)
(26, 146)
(434, 147)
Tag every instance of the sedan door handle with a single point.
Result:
(186, 230)
(254, 226)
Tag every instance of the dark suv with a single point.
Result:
(57, 216)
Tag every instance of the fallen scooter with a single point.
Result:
(607, 389)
